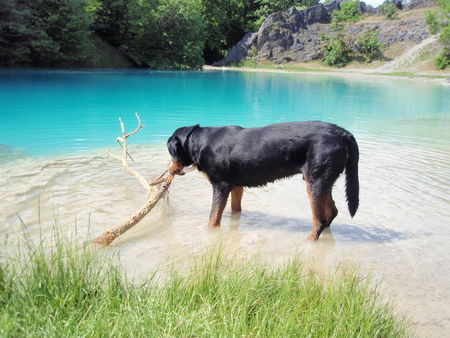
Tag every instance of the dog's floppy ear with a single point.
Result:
(177, 145)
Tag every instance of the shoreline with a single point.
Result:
(443, 79)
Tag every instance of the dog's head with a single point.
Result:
(177, 145)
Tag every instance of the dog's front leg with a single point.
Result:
(221, 191)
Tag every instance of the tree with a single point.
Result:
(348, 13)
(43, 33)
(369, 47)
(66, 24)
(16, 33)
(111, 20)
(166, 34)
(225, 22)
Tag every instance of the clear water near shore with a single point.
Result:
(56, 126)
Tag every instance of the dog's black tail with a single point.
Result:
(351, 175)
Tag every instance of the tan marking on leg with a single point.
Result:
(236, 198)
(330, 208)
(215, 218)
(318, 206)
(216, 215)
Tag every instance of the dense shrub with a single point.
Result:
(433, 23)
(389, 10)
(348, 13)
(442, 61)
(439, 22)
(336, 51)
(369, 47)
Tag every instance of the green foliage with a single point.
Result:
(444, 37)
(439, 22)
(16, 33)
(433, 23)
(389, 10)
(445, 6)
(72, 292)
(369, 47)
(336, 51)
(225, 25)
(166, 34)
(111, 21)
(45, 33)
(442, 61)
(348, 13)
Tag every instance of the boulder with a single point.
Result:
(240, 51)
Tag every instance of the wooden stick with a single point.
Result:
(107, 237)
(153, 189)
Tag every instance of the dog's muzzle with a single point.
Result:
(176, 168)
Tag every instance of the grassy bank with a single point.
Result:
(70, 292)
(315, 67)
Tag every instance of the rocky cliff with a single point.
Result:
(295, 35)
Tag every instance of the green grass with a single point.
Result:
(251, 63)
(411, 75)
(73, 292)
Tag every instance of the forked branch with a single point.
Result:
(154, 189)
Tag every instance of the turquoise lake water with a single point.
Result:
(54, 172)
(45, 112)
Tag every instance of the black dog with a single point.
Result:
(233, 157)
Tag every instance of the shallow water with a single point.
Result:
(54, 169)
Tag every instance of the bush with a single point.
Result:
(433, 23)
(348, 13)
(389, 10)
(445, 36)
(369, 47)
(336, 51)
(442, 61)
(440, 23)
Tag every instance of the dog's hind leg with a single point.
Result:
(221, 191)
(330, 209)
(318, 201)
(236, 198)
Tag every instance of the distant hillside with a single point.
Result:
(296, 36)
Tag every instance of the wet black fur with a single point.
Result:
(251, 157)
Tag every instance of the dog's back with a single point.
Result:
(255, 156)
